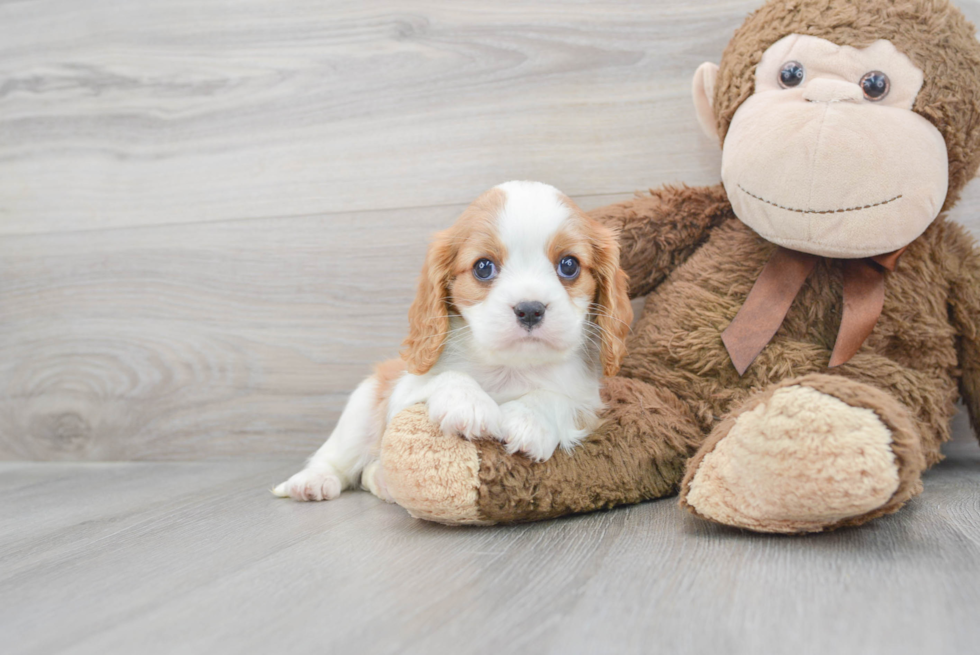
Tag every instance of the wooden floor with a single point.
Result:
(199, 558)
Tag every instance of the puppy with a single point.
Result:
(521, 309)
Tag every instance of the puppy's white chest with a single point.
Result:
(504, 384)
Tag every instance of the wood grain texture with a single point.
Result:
(200, 558)
(212, 215)
(174, 111)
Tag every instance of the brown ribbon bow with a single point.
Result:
(781, 280)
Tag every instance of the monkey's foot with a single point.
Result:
(811, 454)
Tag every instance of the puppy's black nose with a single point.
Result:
(529, 313)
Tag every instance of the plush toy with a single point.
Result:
(809, 323)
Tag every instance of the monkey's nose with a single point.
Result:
(529, 313)
(824, 90)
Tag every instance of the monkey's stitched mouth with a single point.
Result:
(817, 211)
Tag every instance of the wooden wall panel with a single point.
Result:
(212, 215)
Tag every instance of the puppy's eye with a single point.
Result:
(875, 85)
(484, 269)
(791, 74)
(568, 268)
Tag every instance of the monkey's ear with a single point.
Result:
(704, 97)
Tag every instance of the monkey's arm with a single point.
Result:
(964, 303)
(659, 231)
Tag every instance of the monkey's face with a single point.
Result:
(827, 156)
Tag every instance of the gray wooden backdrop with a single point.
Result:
(212, 213)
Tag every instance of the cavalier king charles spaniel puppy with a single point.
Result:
(521, 309)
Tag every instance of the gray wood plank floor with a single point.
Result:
(199, 558)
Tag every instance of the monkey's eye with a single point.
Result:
(791, 74)
(568, 267)
(875, 85)
(484, 269)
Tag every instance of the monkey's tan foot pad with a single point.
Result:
(811, 454)
(433, 475)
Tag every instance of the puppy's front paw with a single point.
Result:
(523, 431)
(465, 410)
(311, 484)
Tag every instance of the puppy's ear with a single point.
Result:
(613, 311)
(428, 317)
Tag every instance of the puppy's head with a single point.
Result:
(533, 277)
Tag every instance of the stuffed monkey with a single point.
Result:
(809, 323)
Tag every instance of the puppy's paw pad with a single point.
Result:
(524, 432)
(310, 484)
(466, 411)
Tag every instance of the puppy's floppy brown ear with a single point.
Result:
(613, 311)
(428, 317)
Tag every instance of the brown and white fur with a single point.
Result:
(476, 354)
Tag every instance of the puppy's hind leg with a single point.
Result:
(338, 463)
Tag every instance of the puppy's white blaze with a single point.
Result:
(532, 213)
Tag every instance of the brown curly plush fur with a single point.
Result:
(912, 352)
(617, 465)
